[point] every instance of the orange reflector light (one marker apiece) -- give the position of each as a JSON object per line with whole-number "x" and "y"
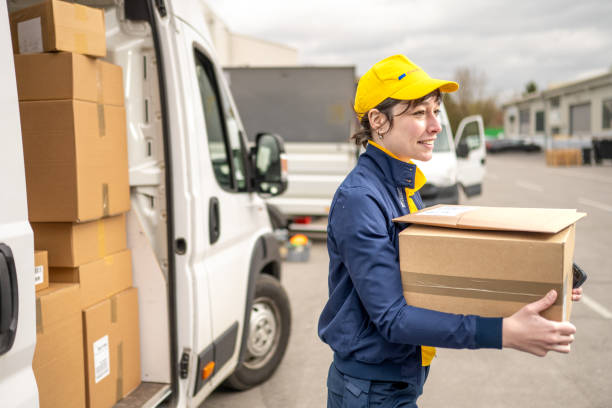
{"x": 208, "y": 370}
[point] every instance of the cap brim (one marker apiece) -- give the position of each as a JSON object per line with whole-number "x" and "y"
{"x": 422, "y": 88}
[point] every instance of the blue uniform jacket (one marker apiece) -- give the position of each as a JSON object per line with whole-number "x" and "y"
{"x": 374, "y": 334}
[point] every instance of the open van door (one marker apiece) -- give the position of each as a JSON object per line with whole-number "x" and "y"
{"x": 471, "y": 153}
{"x": 17, "y": 314}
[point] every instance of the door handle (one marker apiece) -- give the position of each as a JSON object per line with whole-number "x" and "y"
{"x": 214, "y": 224}
{"x": 9, "y": 299}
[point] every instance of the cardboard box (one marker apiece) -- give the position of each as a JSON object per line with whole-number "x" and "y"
{"x": 58, "y": 26}
{"x": 41, "y": 270}
{"x": 564, "y": 157}
{"x": 75, "y": 160}
{"x": 71, "y": 244}
{"x": 65, "y": 75}
{"x": 101, "y": 340}
{"x": 488, "y": 261}
{"x": 128, "y": 366}
{"x": 100, "y": 279}
{"x": 112, "y": 348}
{"x": 58, "y": 362}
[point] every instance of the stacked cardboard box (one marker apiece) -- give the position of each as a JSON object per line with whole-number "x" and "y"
{"x": 564, "y": 157}
{"x": 75, "y": 150}
{"x": 58, "y": 361}
{"x": 41, "y": 270}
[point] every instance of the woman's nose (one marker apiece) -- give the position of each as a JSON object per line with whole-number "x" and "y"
{"x": 433, "y": 124}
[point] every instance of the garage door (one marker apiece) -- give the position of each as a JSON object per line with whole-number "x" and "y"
{"x": 580, "y": 119}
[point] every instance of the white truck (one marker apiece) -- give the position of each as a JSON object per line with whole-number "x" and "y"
{"x": 205, "y": 262}
{"x": 311, "y": 107}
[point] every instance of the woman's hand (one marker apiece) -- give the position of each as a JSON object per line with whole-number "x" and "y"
{"x": 576, "y": 294}
{"x": 527, "y": 331}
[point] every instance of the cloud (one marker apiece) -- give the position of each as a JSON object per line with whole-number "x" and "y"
{"x": 512, "y": 42}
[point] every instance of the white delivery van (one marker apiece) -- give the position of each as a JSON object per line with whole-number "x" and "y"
{"x": 205, "y": 263}
{"x": 457, "y": 162}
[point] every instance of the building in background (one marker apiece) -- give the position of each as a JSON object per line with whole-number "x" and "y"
{"x": 236, "y": 50}
{"x": 580, "y": 110}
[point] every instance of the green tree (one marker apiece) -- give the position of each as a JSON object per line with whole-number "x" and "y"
{"x": 531, "y": 87}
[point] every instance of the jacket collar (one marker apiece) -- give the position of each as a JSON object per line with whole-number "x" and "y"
{"x": 404, "y": 174}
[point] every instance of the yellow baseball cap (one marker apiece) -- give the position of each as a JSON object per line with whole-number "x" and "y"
{"x": 395, "y": 77}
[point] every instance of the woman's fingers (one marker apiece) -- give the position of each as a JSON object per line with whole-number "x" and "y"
{"x": 576, "y": 294}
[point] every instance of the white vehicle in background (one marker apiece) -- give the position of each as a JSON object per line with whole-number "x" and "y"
{"x": 205, "y": 261}
{"x": 312, "y": 108}
{"x": 457, "y": 162}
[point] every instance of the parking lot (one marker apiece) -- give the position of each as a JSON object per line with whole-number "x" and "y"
{"x": 481, "y": 378}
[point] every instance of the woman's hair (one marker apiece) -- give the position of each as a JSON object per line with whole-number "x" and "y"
{"x": 364, "y": 134}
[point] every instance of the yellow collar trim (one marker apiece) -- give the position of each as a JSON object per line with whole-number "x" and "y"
{"x": 419, "y": 177}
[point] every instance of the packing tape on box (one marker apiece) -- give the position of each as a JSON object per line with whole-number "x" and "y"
{"x": 119, "y": 370}
{"x": 113, "y": 304}
{"x": 478, "y": 288}
{"x": 80, "y": 12}
{"x": 101, "y": 121}
{"x": 39, "y": 323}
{"x": 105, "y": 205}
{"x": 99, "y": 80}
{"x": 109, "y": 260}
{"x": 101, "y": 239}
{"x": 80, "y": 43}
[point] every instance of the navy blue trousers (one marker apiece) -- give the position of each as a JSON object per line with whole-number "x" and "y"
{"x": 344, "y": 391}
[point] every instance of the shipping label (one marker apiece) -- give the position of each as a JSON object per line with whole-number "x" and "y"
{"x": 101, "y": 358}
{"x": 39, "y": 274}
{"x": 29, "y": 36}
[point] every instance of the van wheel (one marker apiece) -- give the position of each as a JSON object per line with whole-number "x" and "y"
{"x": 269, "y": 328}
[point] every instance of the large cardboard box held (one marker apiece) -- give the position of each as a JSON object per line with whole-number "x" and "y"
{"x": 488, "y": 261}
{"x": 75, "y": 156}
{"x": 41, "y": 270}
{"x": 54, "y": 25}
{"x": 112, "y": 349}
{"x": 58, "y": 362}
{"x": 74, "y": 244}
{"x": 99, "y": 279}
{"x": 74, "y": 76}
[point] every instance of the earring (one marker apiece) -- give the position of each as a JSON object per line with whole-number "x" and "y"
{"x": 380, "y": 136}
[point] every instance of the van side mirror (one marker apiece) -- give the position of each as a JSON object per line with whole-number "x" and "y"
{"x": 269, "y": 165}
{"x": 463, "y": 150}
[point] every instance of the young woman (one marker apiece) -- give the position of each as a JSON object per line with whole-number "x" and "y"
{"x": 383, "y": 347}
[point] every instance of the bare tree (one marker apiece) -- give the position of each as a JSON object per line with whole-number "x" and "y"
{"x": 471, "y": 99}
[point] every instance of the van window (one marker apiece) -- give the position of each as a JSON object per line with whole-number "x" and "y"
{"x": 224, "y": 138}
{"x": 471, "y": 135}
{"x": 442, "y": 141}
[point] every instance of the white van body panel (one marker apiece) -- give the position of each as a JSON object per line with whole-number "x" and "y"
{"x": 17, "y": 382}
{"x": 471, "y": 170}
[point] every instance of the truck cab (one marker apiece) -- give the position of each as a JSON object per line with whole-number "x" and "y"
{"x": 205, "y": 263}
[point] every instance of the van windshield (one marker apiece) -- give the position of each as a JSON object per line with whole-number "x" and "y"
{"x": 442, "y": 141}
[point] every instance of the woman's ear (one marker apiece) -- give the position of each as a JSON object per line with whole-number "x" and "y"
{"x": 377, "y": 119}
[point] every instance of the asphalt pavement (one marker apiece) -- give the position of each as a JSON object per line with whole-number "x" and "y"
{"x": 478, "y": 378}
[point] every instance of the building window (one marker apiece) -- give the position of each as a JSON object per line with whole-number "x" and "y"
{"x": 607, "y": 114}
{"x": 524, "y": 121}
{"x": 540, "y": 121}
{"x": 554, "y": 102}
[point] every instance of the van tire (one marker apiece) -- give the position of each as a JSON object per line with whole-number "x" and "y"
{"x": 269, "y": 329}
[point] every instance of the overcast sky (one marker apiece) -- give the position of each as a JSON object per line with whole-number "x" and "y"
{"x": 511, "y": 42}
